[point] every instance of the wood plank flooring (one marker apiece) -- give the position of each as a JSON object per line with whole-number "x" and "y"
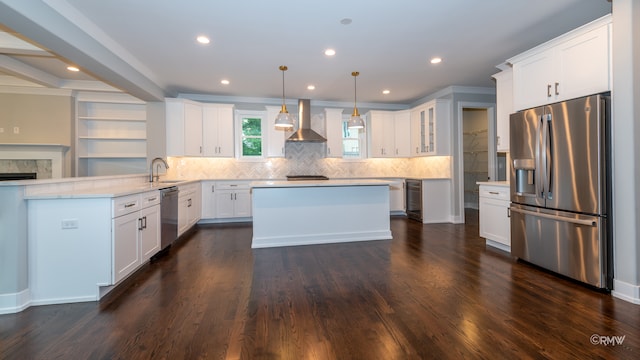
{"x": 433, "y": 292}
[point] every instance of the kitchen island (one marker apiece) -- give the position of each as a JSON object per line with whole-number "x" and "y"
{"x": 309, "y": 212}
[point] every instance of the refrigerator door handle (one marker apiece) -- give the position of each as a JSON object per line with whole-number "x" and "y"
{"x": 547, "y": 157}
{"x": 539, "y": 165}
{"x": 555, "y": 217}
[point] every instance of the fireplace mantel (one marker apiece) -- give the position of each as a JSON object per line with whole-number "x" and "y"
{"x": 54, "y": 152}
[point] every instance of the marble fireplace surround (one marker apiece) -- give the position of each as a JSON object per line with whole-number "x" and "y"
{"x": 53, "y": 152}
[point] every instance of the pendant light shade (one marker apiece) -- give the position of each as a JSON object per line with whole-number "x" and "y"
{"x": 284, "y": 120}
{"x": 356, "y": 121}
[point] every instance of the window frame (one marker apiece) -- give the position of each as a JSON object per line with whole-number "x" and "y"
{"x": 253, "y": 114}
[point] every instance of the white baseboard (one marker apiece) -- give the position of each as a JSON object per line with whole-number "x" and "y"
{"x": 15, "y": 302}
{"x": 626, "y": 292}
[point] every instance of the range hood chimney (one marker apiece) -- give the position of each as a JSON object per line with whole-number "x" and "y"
{"x": 304, "y": 133}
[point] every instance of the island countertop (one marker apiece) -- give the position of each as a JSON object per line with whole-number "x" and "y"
{"x": 318, "y": 183}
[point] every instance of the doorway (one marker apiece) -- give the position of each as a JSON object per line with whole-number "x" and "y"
{"x": 475, "y": 150}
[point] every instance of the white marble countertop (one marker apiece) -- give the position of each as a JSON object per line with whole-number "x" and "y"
{"x": 494, "y": 183}
{"x": 108, "y": 191}
{"x": 318, "y": 183}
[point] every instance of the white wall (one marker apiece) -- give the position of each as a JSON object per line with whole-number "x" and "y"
{"x": 626, "y": 148}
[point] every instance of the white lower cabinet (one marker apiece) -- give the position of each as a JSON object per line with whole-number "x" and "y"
{"x": 135, "y": 231}
{"x": 495, "y": 224}
{"x": 232, "y": 199}
{"x": 189, "y": 206}
{"x": 397, "y": 196}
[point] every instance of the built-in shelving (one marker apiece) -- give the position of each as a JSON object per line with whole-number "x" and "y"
{"x": 111, "y": 133}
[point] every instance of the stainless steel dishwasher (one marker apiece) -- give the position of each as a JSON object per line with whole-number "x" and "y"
{"x": 168, "y": 215}
{"x": 414, "y": 199}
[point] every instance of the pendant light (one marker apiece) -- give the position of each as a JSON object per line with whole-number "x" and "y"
{"x": 356, "y": 121}
{"x": 284, "y": 120}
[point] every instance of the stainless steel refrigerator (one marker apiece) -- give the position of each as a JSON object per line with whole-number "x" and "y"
{"x": 560, "y": 189}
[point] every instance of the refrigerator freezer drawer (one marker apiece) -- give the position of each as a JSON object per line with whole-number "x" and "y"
{"x": 570, "y": 244}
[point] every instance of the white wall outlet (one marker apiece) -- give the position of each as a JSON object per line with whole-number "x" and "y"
{"x": 1, "y": 130}
{"x": 16, "y": 130}
{"x": 70, "y": 223}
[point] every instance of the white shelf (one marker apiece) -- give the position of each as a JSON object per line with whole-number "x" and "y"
{"x": 111, "y": 135}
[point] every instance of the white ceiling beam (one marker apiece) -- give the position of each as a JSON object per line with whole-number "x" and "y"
{"x": 10, "y": 44}
{"x": 19, "y": 69}
{"x": 38, "y": 21}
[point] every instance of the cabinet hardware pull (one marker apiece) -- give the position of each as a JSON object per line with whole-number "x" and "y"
{"x": 548, "y": 90}
{"x": 213, "y": 188}
{"x": 557, "y": 92}
{"x": 139, "y": 224}
{"x": 129, "y": 205}
{"x": 494, "y": 193}
{"x": 189, "y": 202}
{"x": 153, "y": 199}
{"x": 144, "y": 222}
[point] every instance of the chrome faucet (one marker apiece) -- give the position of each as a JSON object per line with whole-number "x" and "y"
{"x": 157, "y": 176}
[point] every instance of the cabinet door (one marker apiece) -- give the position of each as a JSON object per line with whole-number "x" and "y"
{"x": 209, "y": 130}
{"x": 150, "y": 233}
{"x": 532, "y": 79}
{"x": 418, "y": 147}
{"x": 242, "y": 203}
{"x": 583, "y": 65}
{"x": 382, "y": 142}
{"x": 224, "y": 204}
{"x": 494, "y": 222}
{"x": 225, "y": 132}
{"x": 397, "y": 196}
{"x": 195, "y": 208}
{"x": 126, "y": 253}
{"x": 208, "y": 200}
{"x": 402, "y": 133}
{"x": 333, "y": 124}
{"x": 504, "y": 103}
{"x": 192, "y": 129}
{"x": 275, "y": 137}
{"x": 183, "y": 213}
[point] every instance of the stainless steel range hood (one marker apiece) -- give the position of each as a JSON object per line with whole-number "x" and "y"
{"x": 304, "y": 133}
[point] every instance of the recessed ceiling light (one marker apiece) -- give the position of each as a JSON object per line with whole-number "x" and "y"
{"x": 224, "y": 82}
{"x": 436, "y": 60}
{"x": 311, "y": 87}
{"x": 386, "y": 91}
{"x": 203, "y": 39}
{"x": 73, "y": 68}
{"x": 329, "y": 52}
{"x": 345, "y": 21}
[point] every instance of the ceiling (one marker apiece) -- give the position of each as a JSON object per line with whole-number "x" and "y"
{"x": 147, "y": 47}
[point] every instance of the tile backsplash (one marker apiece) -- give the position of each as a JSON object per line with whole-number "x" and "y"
{"x": 307, "y": 159}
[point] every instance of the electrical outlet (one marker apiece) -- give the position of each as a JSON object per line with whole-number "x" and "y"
{"x": 16, "y": 130}
{"x": 1, "y": 130}
{"x": 69, "y": 223}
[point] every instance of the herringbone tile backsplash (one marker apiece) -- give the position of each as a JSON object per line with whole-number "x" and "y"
{"x": 308, "y": 159}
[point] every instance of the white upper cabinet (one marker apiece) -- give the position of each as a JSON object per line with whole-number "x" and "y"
{"x": 575, "y": 64}
{"x": 196, "y": 129}
{"x": 389, "y": 133}
{"x": 217, "y": 130}
{"x": 275, "y": 137}
{"x": 504, "y": 103}
{"x": 333, "y": 124}
{"x": 402, "y": 133}
{"x": 430, "y": 128}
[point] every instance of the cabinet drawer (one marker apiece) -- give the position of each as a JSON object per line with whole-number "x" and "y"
{"x": 232, "y": 185}
{"x": 126, "y": 204}
{"x": 494, "y": 192}
{"x": 149, "y": 198}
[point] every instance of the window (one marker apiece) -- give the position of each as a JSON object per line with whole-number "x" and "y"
{"x": 251, "y": 137}
{"x": 352, "y": 141}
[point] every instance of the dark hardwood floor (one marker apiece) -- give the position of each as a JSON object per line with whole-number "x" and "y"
{"x": 433, "y": 292}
